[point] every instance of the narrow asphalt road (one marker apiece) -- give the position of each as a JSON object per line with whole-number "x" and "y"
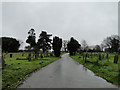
{"x": 65, "y": 73}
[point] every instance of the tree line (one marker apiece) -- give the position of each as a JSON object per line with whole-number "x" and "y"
{"x": 110, "y": 44}
{"x": 44, "y": 43}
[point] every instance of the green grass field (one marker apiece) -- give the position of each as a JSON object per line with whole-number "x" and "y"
{"x": 18, "y": 70}
{"x": 106, "y": 69}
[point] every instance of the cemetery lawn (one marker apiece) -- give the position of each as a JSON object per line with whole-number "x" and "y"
{"x": 106, "y": 69}
{"x": 18, "y": 70}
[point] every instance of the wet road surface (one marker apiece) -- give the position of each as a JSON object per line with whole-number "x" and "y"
{"x": 65, "y": 73}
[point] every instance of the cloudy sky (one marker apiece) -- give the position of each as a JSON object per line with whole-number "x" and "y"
{"x": 91, "y": 21}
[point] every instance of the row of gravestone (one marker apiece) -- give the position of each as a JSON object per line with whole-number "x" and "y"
{"x": 47, "y": 55}
{"x": 37, "y": 55}
{"x": 99, "y": 55}
{"x": 29, "y": 58}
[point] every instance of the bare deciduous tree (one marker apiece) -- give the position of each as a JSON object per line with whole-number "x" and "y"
{"x": 102, "y": 46}
{"x": 84, "y": 45}
{"x": 64, "y": 45}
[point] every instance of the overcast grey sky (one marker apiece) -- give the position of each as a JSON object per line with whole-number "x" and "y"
{"x": 91, "y": 21}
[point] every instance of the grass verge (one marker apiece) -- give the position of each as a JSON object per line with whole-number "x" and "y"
{"x": 106, "y": 69}
{"x": 18, "y": 70}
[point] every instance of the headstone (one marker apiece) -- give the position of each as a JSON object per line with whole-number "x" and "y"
{"x": 116, "y": 59}
{"x": 10, "y": 55}
{"x": 36, "y": 55}
{"x": 41, "y": 56}
{"x": 102, "y": 56}
{"x": 88, "y": 55}
{"x": 107, "y": 56}
{"x": 23, "y": 54}
{"x": 91, "y": 55}
{"x": 99, "y": 56}
{"x": 96, "y": 62}
{"x": 29, "y": 57}
{"x": 79, "y": 57}
{"x": 40, "y": 63}
{"x": 47, "y": 55}
{"x": 96, "y": 53}
{"x": 51, "y": 54}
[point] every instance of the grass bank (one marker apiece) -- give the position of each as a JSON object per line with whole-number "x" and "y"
{"x": 105, "y": 69}
{"x": 18, "y": 70}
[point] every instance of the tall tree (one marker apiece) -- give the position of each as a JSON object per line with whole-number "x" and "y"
{"x": 112, "y": 43}
{"x": 31, "y": 41}
{"x": 31, "y": 38}
{"x": 115, "y": 45}
{"x": 10, "y": 44}
{"x": 97, "y": 48}
{"x": 44, "y": 41}
{"x": 73, "y": 46}
{"x": 57, "y": 44}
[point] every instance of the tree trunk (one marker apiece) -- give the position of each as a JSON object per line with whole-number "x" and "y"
{"x": 3, "y": 61}
{"x": 116, "y": 59}
{"x": 107, "y": 56}
{"x": 86, "y": 58}
{"x": 29, "y": 56}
